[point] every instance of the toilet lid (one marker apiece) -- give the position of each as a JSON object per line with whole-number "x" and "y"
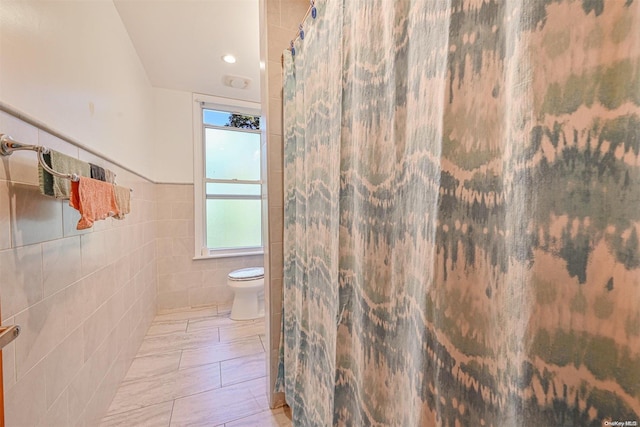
{"x": 250, "y": 273}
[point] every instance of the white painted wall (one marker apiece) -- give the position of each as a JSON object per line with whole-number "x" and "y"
{"x": 72, "y": 66}
{"x": 173, "y": 136}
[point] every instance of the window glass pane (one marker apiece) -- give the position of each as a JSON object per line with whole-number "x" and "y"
{"x": 232, "y": 154}
{"x": 216, "y": 188}
{"x": 234, "y": 223}
{"x": 225, "y": 118}
{"x": 216, "y": 118}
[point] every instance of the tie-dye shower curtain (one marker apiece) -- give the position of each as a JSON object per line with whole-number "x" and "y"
{"x": 462, "y": 211}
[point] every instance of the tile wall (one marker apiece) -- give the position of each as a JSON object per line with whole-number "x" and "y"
{"x": 84, "y": 300}
{"x": 282, "y": 19}
{"x": 182, "y": 281}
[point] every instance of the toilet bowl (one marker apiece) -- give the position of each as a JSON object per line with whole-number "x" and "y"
{"x": 248, "y": 286}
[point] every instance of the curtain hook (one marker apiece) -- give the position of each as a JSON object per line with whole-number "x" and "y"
{"x": 293, "y": 49}
{"x": 301, "y": 32}
{"x": 314, "y": 11}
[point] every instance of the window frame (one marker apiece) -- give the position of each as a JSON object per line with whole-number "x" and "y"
{"x": 201, "y": 103}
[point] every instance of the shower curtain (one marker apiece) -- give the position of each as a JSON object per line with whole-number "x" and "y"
{"x": 462, "y": 210}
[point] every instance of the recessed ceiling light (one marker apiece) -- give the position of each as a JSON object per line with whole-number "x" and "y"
{"x": 229, "y": 59}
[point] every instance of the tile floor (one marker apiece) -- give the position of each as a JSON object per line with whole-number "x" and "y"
{"x": 197, "y": 368}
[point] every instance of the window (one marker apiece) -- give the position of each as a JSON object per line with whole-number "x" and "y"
{"x": 230, "y": 187}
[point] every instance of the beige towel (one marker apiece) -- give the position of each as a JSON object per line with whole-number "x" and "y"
{"x": 109, "y": 176}
{"x": 65, "y": 164}
{"x": 123, "y": 200}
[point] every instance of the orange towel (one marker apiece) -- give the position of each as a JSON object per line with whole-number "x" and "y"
{"x": 95, "y": 200}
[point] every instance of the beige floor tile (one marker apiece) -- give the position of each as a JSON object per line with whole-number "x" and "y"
{"x": 155, "y": 364}
{"x": 217, "y": 321}
{"x": 150, "y": 416}
{"x": 224, "y": 309}
{"x": 220, "y": 351}
{"x": 160, "y": 328}
{"x": 162, "y": 388}
{"x": 263, "y": 340}
{"x": 178, "y": 341}
{"x": 221, "y": 405}
{"x": 243, "y": 369}
{"x": 196, "y": 313}
{"x": 271, "y": 418}
{"x": 179, "y": 370}
{"x": 244, "y": 330}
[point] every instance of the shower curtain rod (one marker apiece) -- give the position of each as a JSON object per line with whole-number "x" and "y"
{"x": 300, "y": 32}
{"x": 8, "y": 145}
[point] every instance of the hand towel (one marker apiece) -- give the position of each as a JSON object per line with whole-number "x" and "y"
{"x": 97, "y": 172}
{"x": 109, "y": 176}
{"x": 59, "y": 187}
{"x": 46, "y": 179}
{"x": 95, "y": 200}
{"x": 66, "y": 164}
{"x": 123, "y": 200}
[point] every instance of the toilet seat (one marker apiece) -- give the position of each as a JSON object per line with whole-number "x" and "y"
{"x": 245, "y": 274}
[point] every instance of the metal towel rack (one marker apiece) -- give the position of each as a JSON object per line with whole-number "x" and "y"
{"x": 8, "y": 145}
{"x": 8, "y": 334}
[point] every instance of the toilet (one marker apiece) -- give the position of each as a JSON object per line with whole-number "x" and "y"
{"x": 248, "y": 286}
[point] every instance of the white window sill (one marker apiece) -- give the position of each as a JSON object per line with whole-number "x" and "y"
{"x": 228, "y": 255}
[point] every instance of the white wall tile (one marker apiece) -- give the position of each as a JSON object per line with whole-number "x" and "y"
{"x": 277, "y": 265}
{"x": 275, "y": 295}
{"x": 62, "y": 364}
{"x": 99, "y": 403}
{"x": 182, "y": 210}
{"x": 86, "y": 280}
{"x": 275, "y": 116}
{"x": 274, "y": 333}
{"x": 25, "y": 402}
{"x": 42, "y": 327}
{"x": 79, "y": 302}
{"x": 164, "y": 247}
{"x": 94, "y": 250}
{"x": 122, "y": 271}
{"x": 5, "y": 216}
{"x": 61, "y": 264}
{"x": 58, "y": 413}
{"x": 276, "y": 224}
{"x": 35, "y": 218}
{"x": 172, "y": 228}
{"x": 86, "y": 382}
{"x": 21, "y": 284}
{"x": 99, "y": 325}
{"x": 205, "y": 297}
{"x": 172, "y": 300}
{"x": 292, "y": 12}
{"x": 183, "y": 245}
{"x": 173, "y": 264}
{"x": 21, "y": 166}
{"x": 100, "y": 286}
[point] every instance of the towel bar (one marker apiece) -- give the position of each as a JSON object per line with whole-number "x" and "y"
{"x": 8, "y": 145}
{"x": 8, "y": 334}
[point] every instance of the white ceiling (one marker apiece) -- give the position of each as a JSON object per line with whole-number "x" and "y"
{"x": 181, "y": 42}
